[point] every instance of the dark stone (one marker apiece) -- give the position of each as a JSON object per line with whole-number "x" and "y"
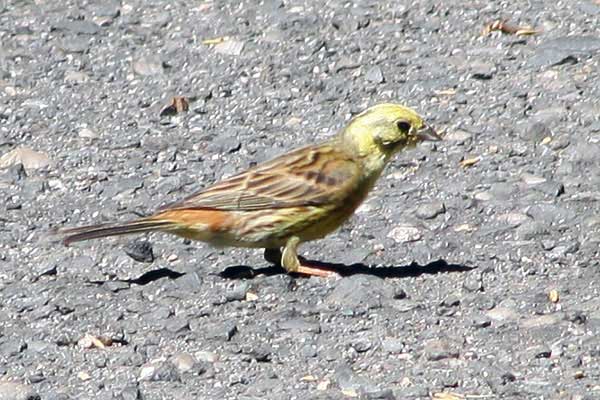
{"x": 436, "y": 350}
{"x": 74, "y": 44}
{"x": 482, "y": 70}
{"x": 540, "y": 351}
{"x": 130, "y": 393}
{"x": 386, "y": 394}
{"x": 393, "y": 345}
{"x": 576, "y": 316}
{"x": 223, "y": 332}
{"x": 473, "y": 282}
{"x": 14, "y": 173}
{"x": 361, "y": 345}
{"x": 300, "y": 325}
{"x": 537, "y": 131}
{"x": 481, "y": 321}
{"x": 237, "y": 292}
{"x": 347, "y": 380}
{"x": 12, "y": 347}
{"x": 430, "y": 210}
{"x": 116, "y": 286}
{"x": 160, "y": 372}
{"x": 140, "y": 250}
{"x": 261, "y": 353}
{"x": 565, "y": 49}
{"x": 177, "y": 324}
{"x": 77, "y": 26}
{"x": 361, "y": 291}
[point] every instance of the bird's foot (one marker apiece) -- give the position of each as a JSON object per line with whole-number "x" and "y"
{"x": 322, "y": 272}
{"x": 291, "y": 263}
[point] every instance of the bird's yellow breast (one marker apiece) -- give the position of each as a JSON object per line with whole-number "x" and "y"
{"x": 334, "y": 217}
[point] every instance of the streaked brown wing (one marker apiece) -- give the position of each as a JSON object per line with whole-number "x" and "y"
{"x": 310, "y": 176}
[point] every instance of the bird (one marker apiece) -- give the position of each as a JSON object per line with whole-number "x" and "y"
{"x": 300, "y": 196}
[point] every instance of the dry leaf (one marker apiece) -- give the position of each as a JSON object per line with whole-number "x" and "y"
{"x": 24, "y": 155}
{"x": 445, "y": 92}
{"x": 177, "y": 105}
{"x": 527, "y": 32}
{"x": 458, "y": 396}
{"x": 216, "y": 40}
{"x": 323, "y": 385}
{"x": 464, "y": 228}
{"x": 469, "y": 162}
{"x": 84, "y": 376}
{"x": 229, "y": 47}
{"x": 225, "y": 45}
{"x": 251, "y": 296}
{"x": 447, "y": 396}
{"x": 204, "y": 7}
{"x": 502, "y": 26}
{"x": 553, "y": 296}
{"x": 88, "y": 341}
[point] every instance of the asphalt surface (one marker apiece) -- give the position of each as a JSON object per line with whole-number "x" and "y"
{"x": 472, "y": 269}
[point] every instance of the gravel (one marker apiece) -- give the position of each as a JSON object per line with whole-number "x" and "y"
{"x": 447, "y": 269}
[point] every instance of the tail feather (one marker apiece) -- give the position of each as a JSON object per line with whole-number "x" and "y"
{"x": 72, "y": 235}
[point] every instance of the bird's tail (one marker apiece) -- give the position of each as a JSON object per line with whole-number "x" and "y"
{"x": 71, "y": 235}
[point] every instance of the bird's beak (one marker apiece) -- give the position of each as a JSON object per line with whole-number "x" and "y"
{"x": 429, "y": 134}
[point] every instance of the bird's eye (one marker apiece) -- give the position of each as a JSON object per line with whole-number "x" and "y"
{"x": 403, "y": 125}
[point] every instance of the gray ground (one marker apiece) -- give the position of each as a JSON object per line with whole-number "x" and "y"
{"x": 479, "y": 281}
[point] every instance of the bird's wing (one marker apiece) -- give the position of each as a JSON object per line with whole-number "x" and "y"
{"x": 310, "y": 176}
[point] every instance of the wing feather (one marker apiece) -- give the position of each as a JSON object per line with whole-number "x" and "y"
{"x": 310, "y": 176}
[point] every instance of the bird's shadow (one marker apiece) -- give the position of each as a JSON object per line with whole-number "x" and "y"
{"x": 247, "y": 272}
{"x": 411, "y": 270}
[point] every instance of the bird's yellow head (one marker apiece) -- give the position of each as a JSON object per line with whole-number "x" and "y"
{"x": 382, "y": 130}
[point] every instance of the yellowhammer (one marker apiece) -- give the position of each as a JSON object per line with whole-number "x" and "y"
{"x": 299, "y": 196}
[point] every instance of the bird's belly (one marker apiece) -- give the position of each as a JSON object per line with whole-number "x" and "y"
{"x": 328, "y": 223}
{"x": 272, "y": 229}
{"x": 253, "y": 229}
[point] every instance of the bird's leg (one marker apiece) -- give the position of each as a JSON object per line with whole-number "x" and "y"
{"x": 291, "y": 263}
{"x": 273, "y": 256}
